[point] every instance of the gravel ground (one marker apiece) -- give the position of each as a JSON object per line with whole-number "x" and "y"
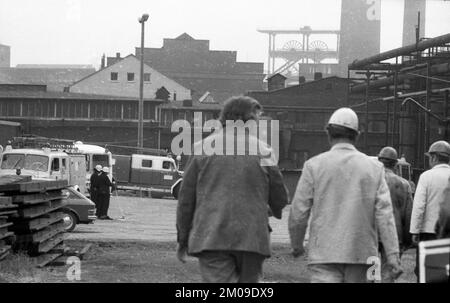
{"x": 139, "y": 246}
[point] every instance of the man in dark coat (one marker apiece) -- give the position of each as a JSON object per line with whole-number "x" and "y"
{"x": 104, "y": 193}
{"x": 94, "y": 187}
{"x": 401, "y": 197}
{"x": 222, "y": 214}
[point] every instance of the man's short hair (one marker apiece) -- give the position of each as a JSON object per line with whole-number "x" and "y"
{"x": 388, "y": 163}
{"x": 442, "y": 158}
{"x": 340, "y": 132}
{"x": 239, "y": 108}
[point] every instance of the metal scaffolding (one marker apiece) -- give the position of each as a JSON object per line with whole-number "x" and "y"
{"x": 408, "y": 89}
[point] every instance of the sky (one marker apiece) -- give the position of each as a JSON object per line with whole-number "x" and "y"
{"x": 80, "y": 31}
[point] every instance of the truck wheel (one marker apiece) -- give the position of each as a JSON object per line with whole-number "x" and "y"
{"x": 156, "y": 195}
{"x": 70, "y": 220}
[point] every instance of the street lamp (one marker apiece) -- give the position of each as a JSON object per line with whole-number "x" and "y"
{"x": 141, "y": 88}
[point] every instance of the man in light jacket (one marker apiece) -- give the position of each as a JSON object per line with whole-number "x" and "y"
{"x": 225, "y": 200}
{"x": 346, "y": 194}
{"x": 430, "y": 193}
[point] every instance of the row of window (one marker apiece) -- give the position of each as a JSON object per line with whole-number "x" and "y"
{"x": 130, "y": 77}
{"x": 76, "y": 109}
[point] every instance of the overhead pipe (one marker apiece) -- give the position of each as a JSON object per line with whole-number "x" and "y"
{"x": 435, "y": 70}
{"x": 401, "y": 51}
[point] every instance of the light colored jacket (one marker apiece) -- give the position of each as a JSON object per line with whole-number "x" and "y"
{"x": 429, "y": 194}
{"x": 351, "y": 207}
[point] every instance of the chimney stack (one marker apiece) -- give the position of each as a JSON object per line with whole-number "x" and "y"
{"x": 317, "y": 76}
{"x": 118, "y": 55}
{"x": 102, "y": 65}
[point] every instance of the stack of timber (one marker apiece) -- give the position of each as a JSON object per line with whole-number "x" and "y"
{"x": 7, "y": 211}
{"x": 38, "y": 222}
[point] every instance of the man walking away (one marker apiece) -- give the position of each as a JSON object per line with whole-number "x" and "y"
{"x": 94, "y": 187}
{"x": 429, "y": 195}
{"x": 222, "y": 214}
{"x": 347, "y": 196}
{"x": 401, "y": 197}
{"x": 104, "y": 193}
{"x": 443, "y": 224}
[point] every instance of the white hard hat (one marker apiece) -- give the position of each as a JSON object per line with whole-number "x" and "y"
{"x": 98, "y": 167}
{"x": 345, "y": 117}
{"x": 105, "y": 169}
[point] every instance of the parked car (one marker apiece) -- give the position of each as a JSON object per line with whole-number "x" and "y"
{"x": 78, "y": 210}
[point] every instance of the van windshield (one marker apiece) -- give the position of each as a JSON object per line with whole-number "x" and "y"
{"x": 30, "y": 162}
{"x": 101, "y": 159}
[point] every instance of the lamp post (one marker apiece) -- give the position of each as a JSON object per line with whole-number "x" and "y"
{"x": 141, "y": 88}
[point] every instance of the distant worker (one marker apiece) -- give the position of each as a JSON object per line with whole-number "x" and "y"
{"x": 345, "y": 193}
{"x": 401, "y": 197}
{"x": 429, "y": 194}
{"x": 104, "y": 193}
{"x": 94, "y": 187}
{"x": 443, "y": 224}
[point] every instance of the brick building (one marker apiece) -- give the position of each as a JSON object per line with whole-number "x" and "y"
{"x": 86, "y": 117}
{"x": 191, "y": 63}
{"x": 122, "y": 79}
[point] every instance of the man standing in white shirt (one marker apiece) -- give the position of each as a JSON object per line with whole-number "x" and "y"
{"x": 429, "y": 194}
{"x": 346, "y": 195}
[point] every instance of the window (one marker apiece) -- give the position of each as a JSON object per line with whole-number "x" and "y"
{"x": 174, "y": 96}
{"x": 167, "y": 165}
{"x": 146, "y": 77}
{"x": 55, "y": 164}
{"x": 147, "y": 163}
{"x": 64, "y": 163}
{"x": 130, "y": 77}
{"x": 114, "y": 76}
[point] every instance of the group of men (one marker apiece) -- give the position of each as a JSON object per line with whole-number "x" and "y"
{"x": 100, "y": 191}
{"x": 354, "y": 209}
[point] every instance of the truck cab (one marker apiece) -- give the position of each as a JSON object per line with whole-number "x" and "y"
{"x": 44, "y": 164}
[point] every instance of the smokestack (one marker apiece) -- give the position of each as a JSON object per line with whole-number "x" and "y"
{"x": 102, "y": 65}
{"x": 118, "y": 55}
{"x": 360, "y": 31}
{"x": 410, "y": 20}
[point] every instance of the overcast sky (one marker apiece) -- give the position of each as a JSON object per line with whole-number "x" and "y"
{"x": 80, "y": 31}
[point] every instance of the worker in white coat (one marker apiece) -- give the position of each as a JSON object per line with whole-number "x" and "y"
{"x": 346, "y": 194}
{"x": 430, "y": 193}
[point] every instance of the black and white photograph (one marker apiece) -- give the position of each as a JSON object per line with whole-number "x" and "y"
{"x": 202, "y": 144}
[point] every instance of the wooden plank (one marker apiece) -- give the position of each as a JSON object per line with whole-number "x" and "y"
{"x": 48, "y": 232}
{"x": 51, "y": 243}
{"x": 3, "y": 220}
{"x": 5, "y": 235}
{"x": 10, "y": 179}
{"x": 60, "y": 248}
{"x": 84, "y": 251}
{"x": 41, "y": 209}
{"x": 8, "y": 212}
{"x": 4, "y": 255}
{"x": 7, "y": 207}
{"x": 5, "y": 200}
{"x": 34, "y": 186}
{"x": 5, "y": 224}
{"x": 38, "y": 223}
{"x": 38, "y": 198}
{"x": 43, "y": 260}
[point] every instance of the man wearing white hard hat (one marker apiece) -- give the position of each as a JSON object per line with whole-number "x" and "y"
{"x": 94, "y": 187}
{"x": 430, "y": 192}
{"x": 104, "y": 193}
{"x": 345, "y": 193}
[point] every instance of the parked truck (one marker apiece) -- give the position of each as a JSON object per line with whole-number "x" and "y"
{"x": 153, "y": 174}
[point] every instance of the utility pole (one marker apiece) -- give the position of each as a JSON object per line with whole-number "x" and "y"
{"x": 141, "y": 88}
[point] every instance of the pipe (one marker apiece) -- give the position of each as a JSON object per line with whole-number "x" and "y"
{"x": 436, "y": 69}
{"x": 401, "y": 51}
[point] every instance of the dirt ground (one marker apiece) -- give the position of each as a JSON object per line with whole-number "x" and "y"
{"x": 139, "y": 246}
